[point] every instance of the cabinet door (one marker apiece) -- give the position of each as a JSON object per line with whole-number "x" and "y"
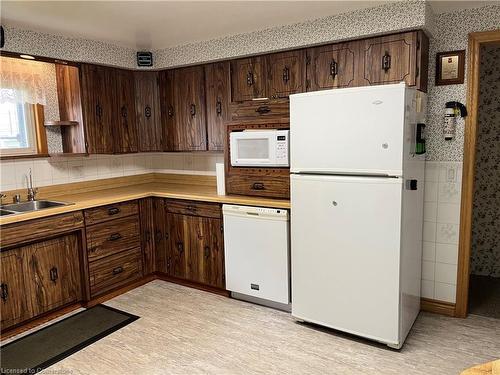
{"x": 126, "y": 129}
{"x": 98, "y": 91}
{"x": 207, "y": 251}
{"x": 248, "y": 78}
{"x": 146, "y": 211}
{"x": 14, "y": 306}
{"x": 167, "y": 104}
{"x": 218, "y": 92}
{"x": 54, "y": 273}
{"x": 332, "y": 66}
{"x": 160, "y": 234}
{"x": 178, "y": 232}
{"x": 147, "y": 107}
{"x": 287, "y": 74}
{"x": 389, "y": 59}
{"x": 190, "y": 130}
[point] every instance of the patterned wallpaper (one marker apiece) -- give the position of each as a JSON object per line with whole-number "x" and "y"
{"x": 451, "y": 33}
{"x": 486, "y": 212}
{"x": 393, "y": 17}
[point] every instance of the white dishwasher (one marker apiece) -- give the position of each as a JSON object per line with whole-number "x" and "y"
{"x": 256, "y": 248}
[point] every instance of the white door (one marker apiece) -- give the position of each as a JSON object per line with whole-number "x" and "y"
{"x": 345, "y": 250}
{"x": 348, "y": 131}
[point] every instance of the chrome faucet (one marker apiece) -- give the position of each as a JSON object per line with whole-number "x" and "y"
{"x": 31, "y": 190}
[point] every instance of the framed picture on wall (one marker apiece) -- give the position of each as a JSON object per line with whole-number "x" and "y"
{"x": 450, "y": 67}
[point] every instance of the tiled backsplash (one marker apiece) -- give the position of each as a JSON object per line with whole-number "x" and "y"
{"x": 50, "y": 171}
{"x": 441, "y": 225}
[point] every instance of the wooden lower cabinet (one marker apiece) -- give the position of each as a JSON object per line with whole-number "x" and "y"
{"x": 14, "y": 304}
{"x": 54, "y": 273}
{"x": 38, "y": 278}
{"x": 195, "y": 249}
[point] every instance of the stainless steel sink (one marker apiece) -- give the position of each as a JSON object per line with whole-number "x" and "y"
{"x": 30, "y": 206}
{"x": 4, "y": 213}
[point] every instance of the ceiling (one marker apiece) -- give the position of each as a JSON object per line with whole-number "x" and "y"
{"x": 159, "y": 24}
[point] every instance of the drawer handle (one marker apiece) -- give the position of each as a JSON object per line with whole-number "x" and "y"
{"x": 180, "y": 247}
{"x": 117, "y": 270}
{"x": 207, "y": 252}
{"x": 4, "y": 291}
{"x": 263, "y": 109}
{"x": 191, "y": 208}
{"x": 53, "y": 274}
{"x": 258, "y": 186}
{"x": 113, "y": 211}
{"x": 115, "y": 237}
{"x": 218, "y": 107}
{"x": 158, "y": 236}
{"x": 250, "y": 79}
{"x": 286, "y": 74}
{"x": 192, "y": 110}
{"x": 333, "y": 68}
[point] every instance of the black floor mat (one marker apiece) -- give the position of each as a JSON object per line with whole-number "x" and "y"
{"x": 41, "y": 349}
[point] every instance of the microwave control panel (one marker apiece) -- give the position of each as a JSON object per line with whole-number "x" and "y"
{"x": 282, "y": 148}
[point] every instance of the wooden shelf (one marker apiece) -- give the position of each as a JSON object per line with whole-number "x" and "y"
{"x": 60, "y": 123}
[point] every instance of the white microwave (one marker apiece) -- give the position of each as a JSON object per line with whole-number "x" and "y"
{"x": 260, "y": 148}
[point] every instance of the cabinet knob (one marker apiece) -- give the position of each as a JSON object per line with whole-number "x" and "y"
{"x": 250, "y": 79}
{"x": 263, "y": 109}
{"x": 386, "y": 61}
{"x": 147, "y": 111}
{"x": 192, "y": 110}
{"x": 53, "y": 274}
{"x": 180, "y": 247}
{"x": 207, "y": 252}
{"x": 286, "y": 74}
{"x": 258, "y": 186}
{"x": 124, "y": 111}
{"x": 333, "y": 68}
{"x": 4, "y": 291}
{"x": 117, "y": 270}
{"x": 158, "y": 236}
{"x": 218, "y": 107}
{"x": 170, "y": 111}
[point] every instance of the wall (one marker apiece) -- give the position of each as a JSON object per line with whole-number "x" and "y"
{"x": 51, "y": 171}
{"x": 485, "y": 257}
{"x": 444, "y": 165}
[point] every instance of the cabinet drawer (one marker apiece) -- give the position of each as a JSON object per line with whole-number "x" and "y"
{"x": 110, "y": 212}
{"x": 194, "y": 208}
{"x": 115, "y": 270}
{"x": 113, "y": 237}
{"x": 262, "y": 186}
{"x": 258, "y": 109}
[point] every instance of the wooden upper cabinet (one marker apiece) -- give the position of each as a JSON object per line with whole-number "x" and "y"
{"x": 218, "y": 93}
{"x": 190, "y": 127}
{"x": 391, "y": 59}
{"x": 167, "y": 105}
{"x": 126, "y": 127}
{"x": 14, "y": 306}
{"x": 332, "y": 66}
{"x": 98, "y": 93}
{"x": 286, "y": 73}
{"x": 248, "y": 78}
{"x": 147, "y": 107}
{"x": 54, "y": 273}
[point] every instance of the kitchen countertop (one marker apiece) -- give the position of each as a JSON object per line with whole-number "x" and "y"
{"x": 102, "y": 197}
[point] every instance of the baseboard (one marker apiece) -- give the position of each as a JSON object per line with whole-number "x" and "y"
{"x": 437, "y": 307}
{"x": 191, "y": 284}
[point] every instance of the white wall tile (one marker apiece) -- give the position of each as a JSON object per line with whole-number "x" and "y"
{"x": 104, "y": 167}
{"x": 432, "y": 171}
{"x": 431, "y": 191}
{"x": 429, "y": 231}
{"x": 430, "y": 211}
{"x": 449, "y": 192}
{"x": 429, "y": 251}
{"x": 60, "y": 172}
{"x": 188, "y": 162}
{"x": 76, "y": 170}
{"x": 448, "y": 213}
{"x": 445, "y": 273}
{"x": 446, "y": 253}
{"x": 427, "y": 289}
{"x": 445, "y": 292}
{"x": 428, "y": 270}
{"x": 42, "y": 173}
{"x": 116, "y": 166}
{"x": 450, "y": 172}
{"x": 8, "y": 176}
{"x": 447, "y": 233}
{"x": 90, "y": 168}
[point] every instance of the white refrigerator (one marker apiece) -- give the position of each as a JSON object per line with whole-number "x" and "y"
{"x": 357, "y": 210}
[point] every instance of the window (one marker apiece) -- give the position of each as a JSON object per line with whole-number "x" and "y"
{"x": 21, "y": 89}
{"x": 16, "y": 127}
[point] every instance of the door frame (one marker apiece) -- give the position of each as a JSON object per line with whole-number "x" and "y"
{"x": 476, "y": 40}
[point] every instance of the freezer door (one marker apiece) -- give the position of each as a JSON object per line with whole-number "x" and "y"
{"x": 345, "y": 253}
{"x": 348, "y": 131}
